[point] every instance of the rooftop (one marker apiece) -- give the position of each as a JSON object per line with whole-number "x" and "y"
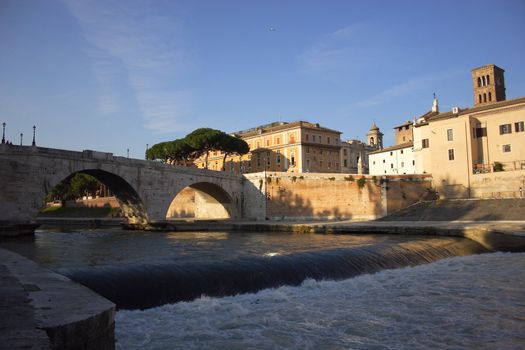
{"x": 278, "y": 126}
{"x": 394, "y": 148}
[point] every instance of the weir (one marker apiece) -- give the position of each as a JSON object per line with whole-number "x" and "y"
{"x": 145, "y": 286}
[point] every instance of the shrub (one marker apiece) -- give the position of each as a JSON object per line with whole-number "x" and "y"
{"x": 361, "y": 182}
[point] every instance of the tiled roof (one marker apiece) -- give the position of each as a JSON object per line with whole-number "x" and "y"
{"x": 283, "y": 126}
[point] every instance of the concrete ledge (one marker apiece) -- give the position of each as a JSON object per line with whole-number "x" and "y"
{"x": 73, "y": 316}
{"x": 10, "y": 228}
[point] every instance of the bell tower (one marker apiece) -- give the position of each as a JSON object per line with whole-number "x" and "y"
{"x": 489, "y": 84}
{"x": 375, "y": 137}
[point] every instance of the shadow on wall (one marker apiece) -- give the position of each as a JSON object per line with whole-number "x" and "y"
{"x": 200, "y": 201}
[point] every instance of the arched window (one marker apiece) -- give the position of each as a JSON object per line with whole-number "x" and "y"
{"x": 484, "y": 81}
{"x": 488, "y": 79}
{"x": 479, "y": 98}
{"x": 479, "y": 82}
{"x": 371, "y": 141}
{"x": 490, "y": 96}
{"x": 484, "y": 97}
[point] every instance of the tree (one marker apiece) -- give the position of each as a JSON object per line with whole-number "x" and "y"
{"x": 74, "y": 187}
{"x": 229, "y": 144}
{"x": 204, "y": 140}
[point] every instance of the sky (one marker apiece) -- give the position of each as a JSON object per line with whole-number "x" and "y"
{"x": 112, "y": 75}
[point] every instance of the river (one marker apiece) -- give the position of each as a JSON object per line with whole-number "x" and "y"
{"x": 218, "y": 290}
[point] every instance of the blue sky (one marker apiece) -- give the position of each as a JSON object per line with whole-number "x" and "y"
{"x": 112, "y": 75}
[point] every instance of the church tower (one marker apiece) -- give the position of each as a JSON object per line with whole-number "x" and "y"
{"x": 375, "y": 137}
{"x": 489, "y": 84}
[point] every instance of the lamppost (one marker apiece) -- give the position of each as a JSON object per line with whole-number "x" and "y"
{"x": 34, "y": 131}
{"x": 3, "y": 133}
{"x": 21, "y": 138}
{"x": 147, "y": 149}
{"x": 128, "y": 152}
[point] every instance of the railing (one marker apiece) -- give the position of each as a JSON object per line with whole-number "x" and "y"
{"x": 498, "y": 166}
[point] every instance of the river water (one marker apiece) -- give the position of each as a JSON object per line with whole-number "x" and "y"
{"x": 219, "y": 290}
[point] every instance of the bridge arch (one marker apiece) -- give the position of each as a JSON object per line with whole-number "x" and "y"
{"x": 129, "y": 200}
{"x": 201, "y": 200}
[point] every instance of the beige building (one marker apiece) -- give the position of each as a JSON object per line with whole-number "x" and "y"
{"x": 475, "y": 152}
{"x": 295, "y": 147}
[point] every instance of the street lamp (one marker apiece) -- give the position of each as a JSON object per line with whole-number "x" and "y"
{"x": 34, "y": 131}
{"x": 128, "y": 152}
{"x": 3, "y": 133}
{"x": 21, "y": 138}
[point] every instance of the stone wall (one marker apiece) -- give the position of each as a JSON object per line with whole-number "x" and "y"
{"x": 404, "y": 190}
{"x": 183, "y": 206}
{"x": 503, "y": 184}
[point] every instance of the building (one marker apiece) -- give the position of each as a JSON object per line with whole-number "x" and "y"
{"x": 478, "y": 151}
{"x": 394, "y": 160}
{"x": 285, "y": 147}
{"x": 354, "y": 156}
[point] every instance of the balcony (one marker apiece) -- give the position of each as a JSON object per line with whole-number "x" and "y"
{"x": 498, "y": 166}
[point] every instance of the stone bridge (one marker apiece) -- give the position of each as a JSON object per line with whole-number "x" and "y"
{"x": 144, "y": 189}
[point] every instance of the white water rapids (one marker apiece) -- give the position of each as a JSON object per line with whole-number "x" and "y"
{"x": 472, "y": 302}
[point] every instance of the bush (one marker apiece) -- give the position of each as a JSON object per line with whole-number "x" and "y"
{"x": 361, "y": 182}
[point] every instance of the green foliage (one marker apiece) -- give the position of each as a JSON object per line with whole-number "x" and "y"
{"x": 498, "y": 166}
{"x": 197, "y": 143}
{"x": 294, "y": 178}
{"x": 301, "y": 177}
{"x": 361, "y": 182}
{"x": 74, "y": 187}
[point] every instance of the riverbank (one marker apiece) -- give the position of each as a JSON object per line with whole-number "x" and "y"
{"x": 41, "y": 309}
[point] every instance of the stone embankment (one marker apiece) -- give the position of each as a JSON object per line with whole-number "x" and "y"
{"x": 41, "y": 309}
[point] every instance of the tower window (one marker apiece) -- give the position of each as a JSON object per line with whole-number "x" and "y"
{"x": 479, "y": 82}
{"x": 490, "y": 96}
{"x": 484, "y": 97}
{"x": 488, "y": 79}
{"x": 479, "y": 98}
{"x": 371, "y": 141}
{"x": 484, "y": 81}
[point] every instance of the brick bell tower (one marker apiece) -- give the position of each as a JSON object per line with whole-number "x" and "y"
{"x": 488, "y": 84}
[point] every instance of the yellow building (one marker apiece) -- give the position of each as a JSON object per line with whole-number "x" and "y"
{"x": 288, "y": 147}
{"x": 478, "y": 151}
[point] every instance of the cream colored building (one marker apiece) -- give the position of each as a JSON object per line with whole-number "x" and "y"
{"x": 288, "y": 147}
{"x": 479, "y": 151}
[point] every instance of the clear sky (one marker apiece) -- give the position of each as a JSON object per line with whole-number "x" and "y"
{"x": 112, "y": 75}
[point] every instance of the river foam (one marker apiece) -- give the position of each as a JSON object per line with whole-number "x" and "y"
{"x": 472, "y": 302}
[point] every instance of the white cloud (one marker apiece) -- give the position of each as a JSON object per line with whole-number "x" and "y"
{"x": 136, "y": 43}
{"x": 342, "y": 51}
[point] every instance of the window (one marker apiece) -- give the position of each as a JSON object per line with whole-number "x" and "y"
{"x": 518, "y": 127}
{"x": 313, "y": 138}
{"x": 344, "y": 162}
{"x": 344, "y": 152}
{"x": 372, "y": 141}
{"x": 391, "y": 153}
{"x": 268, "y": 160}
{"x": 329, "y": 164}
{"x": 402, "y": 164}
{"x": 479, "y": 82}
{"x": 488, "y": 80}
{"x": 505, "y": 129}
{"x": 383, "y": 161}
{"x": 450, "y": 135}
{"x": 490, "y": 96}
{"x": 292, "y": 160}
{"x": 413, "y": 162}
{"x": 374, "y": 162}
{"x": 401, "y": 151}
{"x": 481, "y": 132}
{"x": 278, "y": 141}
{"x": 450, "y": 154}
{"x": 320, "y": 164}
{"x": 328, "y": 140}
{"x": 278, "y": 160}
{"x": 307, "y": 149}
{"x": 506, "y": 148}
{"x": 479, "y": 96}
{"x": 484, "y": 81}
{"x": 391, "y": 166}
{"x": 426, "y": 143}
{"x": 307, "y": 164}
{"x": 484, "y": 97}
{"x": 307, "y": 137}
{"x": 403, "y": 138}
{"x": 258, "y": 160}
{"x": 267, "y": 143}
